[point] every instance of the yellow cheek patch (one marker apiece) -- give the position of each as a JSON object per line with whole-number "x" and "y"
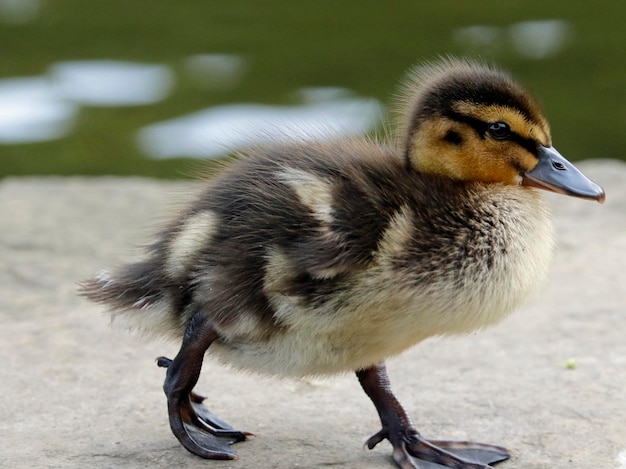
{"x": 473, "y": 159}
{"x": 525, "y": 160}
{"x": 539, "y": 131}
{"x": 484, "y": 161}
{"x": 431, "y": 154}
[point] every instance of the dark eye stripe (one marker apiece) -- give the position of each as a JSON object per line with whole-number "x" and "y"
{"x": 479, "y": 126}
{"x": 481, "y": 129}
{"x": 527, "y": 143}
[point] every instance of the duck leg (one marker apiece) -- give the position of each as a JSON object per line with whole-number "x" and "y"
{"x": 198, "y": 430}
{"x": 410, "y": 449}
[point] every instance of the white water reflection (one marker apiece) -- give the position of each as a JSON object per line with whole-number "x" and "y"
{"x": 540, "y": 39}
{"x": 18, "y": 11}
{"x": 215, "y": 71}
{"x": 36, "y": 109}
{"x": 31, "y": 110}
{"x": 112, "y": 83}
{"x": 322, "y": 94}
{"x": 45, "y": 108}
{"x": 478, "y": 37}
{"x": 221, "y": 130}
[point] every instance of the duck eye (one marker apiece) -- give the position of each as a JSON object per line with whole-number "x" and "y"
{"x": 499, "y": 130}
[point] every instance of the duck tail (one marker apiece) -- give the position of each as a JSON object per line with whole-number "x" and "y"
{"x": 135, "y": 298}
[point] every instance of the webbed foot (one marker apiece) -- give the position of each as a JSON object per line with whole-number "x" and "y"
{"x": 198, "y": 430}
{"x": 410, "y": 450}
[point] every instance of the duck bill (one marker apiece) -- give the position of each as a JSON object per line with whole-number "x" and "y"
{"x": 556, "y": 174}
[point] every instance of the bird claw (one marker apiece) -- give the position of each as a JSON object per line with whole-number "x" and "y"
{"x": 163, "y": 362}
{"x": 376, "y": 438}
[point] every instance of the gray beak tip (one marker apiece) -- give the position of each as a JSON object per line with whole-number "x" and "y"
{"x": 554, "y": 173}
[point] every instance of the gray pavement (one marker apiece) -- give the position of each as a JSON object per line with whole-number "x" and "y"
{"x": 549, "y": 382}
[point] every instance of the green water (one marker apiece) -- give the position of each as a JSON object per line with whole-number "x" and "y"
{"x": 362, "y": 45}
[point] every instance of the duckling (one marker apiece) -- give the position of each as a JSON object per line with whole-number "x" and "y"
{"x": 320, "y": 258}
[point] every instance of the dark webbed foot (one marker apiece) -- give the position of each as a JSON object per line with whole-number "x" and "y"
{"x": 197, "y": 429}
{"x": 410, "y": 450}
{"x": 413, "y": 451}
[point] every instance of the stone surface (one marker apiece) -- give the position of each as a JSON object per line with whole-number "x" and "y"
{"x": 549, "y": 382}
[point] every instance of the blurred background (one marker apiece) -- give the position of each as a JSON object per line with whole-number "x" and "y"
{"x": 148, "y": 88}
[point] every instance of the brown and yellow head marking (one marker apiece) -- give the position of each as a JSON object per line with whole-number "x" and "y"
{"x": 467, "y": 121}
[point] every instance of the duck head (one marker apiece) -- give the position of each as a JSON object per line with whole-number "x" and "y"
{"x": 467, "y": 121}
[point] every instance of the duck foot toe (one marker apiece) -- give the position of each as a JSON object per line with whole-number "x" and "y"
{"x": 481, "y": 453}
{"x": 411, "y": 451}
